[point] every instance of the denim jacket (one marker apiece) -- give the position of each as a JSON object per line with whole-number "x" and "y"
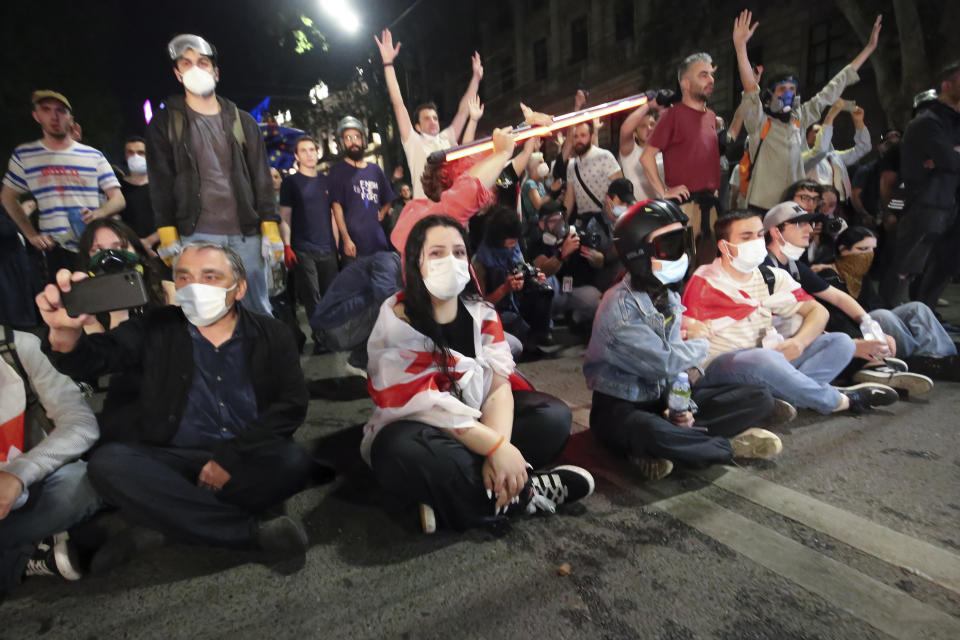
{"x": 635, "y": 353}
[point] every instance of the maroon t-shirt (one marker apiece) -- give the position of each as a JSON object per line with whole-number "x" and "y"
{"x": 691, "y": 153}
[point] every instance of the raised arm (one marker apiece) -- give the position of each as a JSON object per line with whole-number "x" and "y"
{"x": 742, "y": 32}
{"x": 463, "y": 109}
{"x": 857, "y": 62}
{"x": 488, "y": 170}
{"x": 388, "y": 53}
{"x": 629, "y": 126}
{"x": 476, "y": 112}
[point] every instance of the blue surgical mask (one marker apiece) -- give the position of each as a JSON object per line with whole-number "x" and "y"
{"x": 672, "y": 270}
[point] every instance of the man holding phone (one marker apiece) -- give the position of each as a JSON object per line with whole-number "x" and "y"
{"x": 221, "y": 395}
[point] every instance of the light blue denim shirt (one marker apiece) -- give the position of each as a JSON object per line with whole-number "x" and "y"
{"x": 635, "y": 353}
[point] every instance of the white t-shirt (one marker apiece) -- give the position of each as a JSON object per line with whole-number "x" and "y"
{"x": 596, "y": 167}
{"x": 418, "y": 147}
{"x": 633, "y": 171}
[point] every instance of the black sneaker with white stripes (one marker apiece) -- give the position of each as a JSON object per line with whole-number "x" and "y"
{"x": 55, "y": 556}
{"x": 868, "y": 395}
{"x": 560, "y": 485}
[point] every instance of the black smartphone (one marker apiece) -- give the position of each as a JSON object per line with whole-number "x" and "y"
{"x": 109, "y": 292}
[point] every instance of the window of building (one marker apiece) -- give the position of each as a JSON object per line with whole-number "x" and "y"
{"x": 623, "y": 20}
{"x": 578, "y": 39}
{"x": 827, "y": 52}
{"x": 540, "y": 61}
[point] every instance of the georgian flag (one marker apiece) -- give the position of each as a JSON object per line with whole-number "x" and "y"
{"x": 13, "y": 403}
{"x": 405, "y": 382}
{"x": 713, "y": 295}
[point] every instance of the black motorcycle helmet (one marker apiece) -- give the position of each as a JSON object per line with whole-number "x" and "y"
{"x": 635, "y": 251}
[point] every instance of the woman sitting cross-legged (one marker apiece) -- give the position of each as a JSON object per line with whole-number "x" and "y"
{"x": 448, "y": 431}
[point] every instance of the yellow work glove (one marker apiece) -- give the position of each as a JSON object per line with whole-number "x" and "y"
{"x": 169, "y": 244}
{"x": 271, "y": 246}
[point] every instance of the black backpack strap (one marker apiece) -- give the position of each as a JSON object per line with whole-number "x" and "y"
{"x": 768, "y": 277}
{"x": 576, "y": 169}
{"x": 8, "y": 350}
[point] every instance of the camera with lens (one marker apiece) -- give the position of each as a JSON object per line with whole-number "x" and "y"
{"x": 530, "y": 279}
{"x": 591, "y": 239}
{"x": 833, "y": 226}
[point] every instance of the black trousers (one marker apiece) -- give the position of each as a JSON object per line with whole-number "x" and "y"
{"x": 315, "y": 270}
{"x": 640, "y": 430}
{"x": 422, "y": 463}
{"x": 157, "y": 487}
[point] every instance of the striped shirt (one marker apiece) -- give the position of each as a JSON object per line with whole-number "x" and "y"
{"x": 61, "y": 181}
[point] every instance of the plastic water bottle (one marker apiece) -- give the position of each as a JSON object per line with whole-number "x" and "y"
{"x": 679, "y": 399}
{"x": 871, "y": 330}
{"x": 771, "y": 339}
{"x": 75, "y": 219}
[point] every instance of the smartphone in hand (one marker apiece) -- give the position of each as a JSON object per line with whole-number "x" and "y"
{"x": 109, "y": 292}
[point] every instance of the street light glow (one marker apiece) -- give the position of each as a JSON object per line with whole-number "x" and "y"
{"x": 344, "y": 15}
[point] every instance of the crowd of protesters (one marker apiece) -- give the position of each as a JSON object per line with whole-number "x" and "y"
{"x": 708, "y": 318}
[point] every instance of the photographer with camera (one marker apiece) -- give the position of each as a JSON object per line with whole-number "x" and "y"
{"x": 551, "y": 251}
{"x": 516, "y": 288}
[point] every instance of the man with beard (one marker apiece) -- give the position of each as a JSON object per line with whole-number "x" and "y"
{"x": 360, "y": 195}
{"x": 65, "y": 176}
{"x": 686, "y": 135}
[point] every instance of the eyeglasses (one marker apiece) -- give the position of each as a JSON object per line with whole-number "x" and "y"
{"x": 353, "y": 136}
{"x": 807, "y": 199}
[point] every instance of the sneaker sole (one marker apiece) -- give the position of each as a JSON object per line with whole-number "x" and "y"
{"x": 428, "y": 518}
{"x": 65, "y": 555}
{"x": 913, "y": 383}
{"x": 896, "y": 363}
{"x": 653, "y": 469}
{"x": 888, "y": 395}
{"x": 782, "y": 413}
{"x": 756, "y": 445}
{"x": 583, "y": 473}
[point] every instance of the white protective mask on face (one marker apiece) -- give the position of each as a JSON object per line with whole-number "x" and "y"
{"x": 749, "y": 255}
{"x": 543, "y": 170}
{"x": 446, "y": 277}
{"x": 203, "y": 304}
{"x": 199, "y": 82}
{"x": 137, "y": 164}
{"x": 672, "y": 270}
{"x": 792, "y": 251}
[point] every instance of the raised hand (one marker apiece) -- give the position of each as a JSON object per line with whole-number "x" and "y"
{"x": 476, "y": 63}
{"x": 875, "y": 33}
{"x": 742, "y": 31}
{"x": 64, "y": 330}
{"x": 476, "y": 108}
{"x": 534, "y": 118}
{"x": 503, "y": 141}
{"x": 385, "y": 43}
{"x": 580, "y": 100}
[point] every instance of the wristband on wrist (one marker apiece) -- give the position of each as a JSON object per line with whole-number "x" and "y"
{"x": 495, "y": 447}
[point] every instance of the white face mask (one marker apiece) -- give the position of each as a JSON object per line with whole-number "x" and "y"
{"x": 203, "y": 304}
{"x": 199, "y": 82}
{"x": 446, "y": 277}
{"x": 543, "y": 170}
{"x": 137, "y": 164}
{"x": 792, "y": 251}
{"x": 749, "y": 255}
{"x": 672, "y": 270}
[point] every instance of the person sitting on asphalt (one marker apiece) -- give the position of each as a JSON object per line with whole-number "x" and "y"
{"x": 448, "y": 431}
{"x": 637, "y": 351}
{"x": 44, "y": 489}
{"x": 921, "y": 341}
{"x": 221, "y": 395}
{"x": 515, "y": 288}
{"x": 788, "y": 229}
{"x": 729, "y": 302}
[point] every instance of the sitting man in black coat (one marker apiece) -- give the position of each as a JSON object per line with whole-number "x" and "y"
{"x": 221, "y": 395}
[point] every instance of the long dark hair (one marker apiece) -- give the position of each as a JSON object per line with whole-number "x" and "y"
{"x": 853, "y": 235}
{"x": 152, "y": 267}
{"x": 417, "y": 303}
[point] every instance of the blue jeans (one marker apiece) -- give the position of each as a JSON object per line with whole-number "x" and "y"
{"x": 59, "y": 501}
{"x": 248, "y": 248}
{"x": 804, "y": 382}
{"x": 916, "y": 330}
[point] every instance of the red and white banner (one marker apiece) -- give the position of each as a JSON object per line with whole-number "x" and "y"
{"x": 13, "y": 402}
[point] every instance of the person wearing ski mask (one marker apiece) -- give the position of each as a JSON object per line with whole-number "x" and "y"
{"x": 777, "y": 120}
{"x": 454, "y": 429}
{"x": 637, "y": 350}
{"x": 208, "y": 173}
{"x": 220, "y": 397}
{"x": 732, "y": 302}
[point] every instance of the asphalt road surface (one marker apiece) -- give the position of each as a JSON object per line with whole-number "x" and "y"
{"x": 851, "y": 533}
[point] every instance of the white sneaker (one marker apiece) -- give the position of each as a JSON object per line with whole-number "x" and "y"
{"x": 756, "y": 443}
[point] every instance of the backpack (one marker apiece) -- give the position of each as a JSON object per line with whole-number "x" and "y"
{"x": 36, "y": 424}
{"x": 747, "y": 165}
{"x": 176, "y": 122}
